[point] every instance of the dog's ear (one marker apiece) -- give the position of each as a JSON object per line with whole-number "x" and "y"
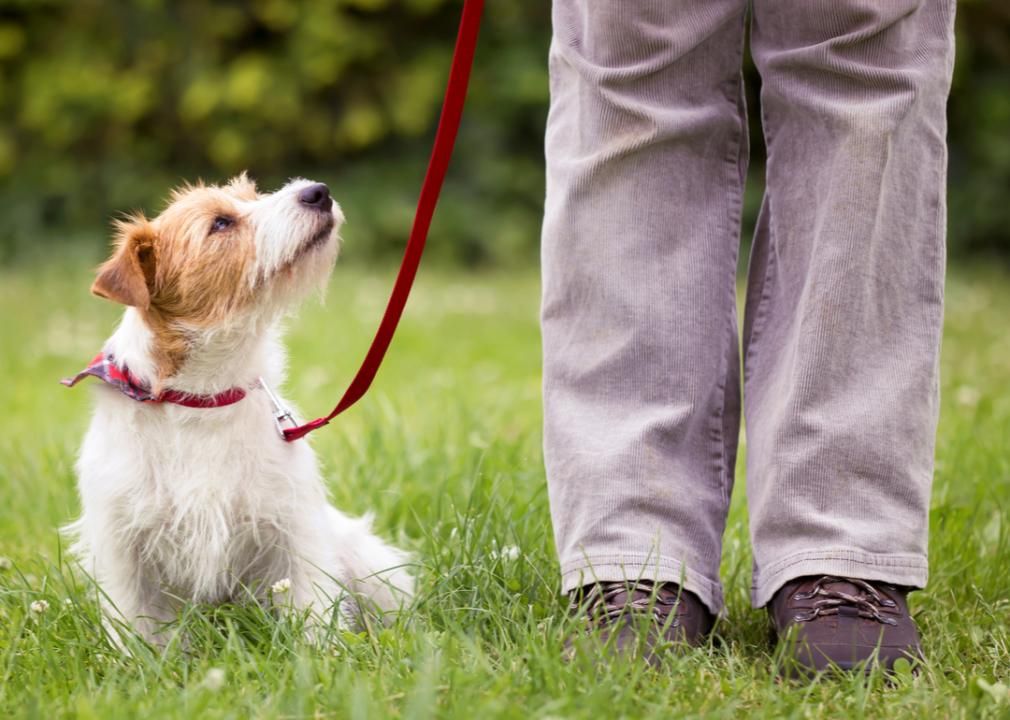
{"x": 128, "y": 275}
{"x": 242, "y": 187}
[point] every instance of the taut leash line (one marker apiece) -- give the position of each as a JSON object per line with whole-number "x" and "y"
{"x": 441, "y": 153}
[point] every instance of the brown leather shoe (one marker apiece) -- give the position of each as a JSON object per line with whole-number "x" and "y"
{"x": 844, "y": 623}
{"x": 641, "y": 617}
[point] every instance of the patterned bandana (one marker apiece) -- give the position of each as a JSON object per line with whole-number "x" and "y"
{"x": 104, "y": 368}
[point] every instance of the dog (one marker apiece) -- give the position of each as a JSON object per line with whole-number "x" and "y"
{"x": 188, "y": 491}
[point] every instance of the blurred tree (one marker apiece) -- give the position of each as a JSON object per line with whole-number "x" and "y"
{"x": 979, "y": 114}
{"x": 105, "y": 105}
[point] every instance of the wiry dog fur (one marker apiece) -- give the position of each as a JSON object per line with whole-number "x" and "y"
{"x": 208, "y": 505}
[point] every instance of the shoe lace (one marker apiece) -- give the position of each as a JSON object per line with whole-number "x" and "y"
{"x": 868, "y": 600}
{"x": 642, "y": 598}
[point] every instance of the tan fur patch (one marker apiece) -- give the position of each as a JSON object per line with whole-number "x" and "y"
{"x": 124, "y": 278}
{"x": 194, "y": 275}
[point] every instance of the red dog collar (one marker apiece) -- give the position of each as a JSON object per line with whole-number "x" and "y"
{"x": 104, "y": 368}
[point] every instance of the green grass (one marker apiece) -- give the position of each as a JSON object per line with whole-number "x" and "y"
{"x": 446, "y": 451}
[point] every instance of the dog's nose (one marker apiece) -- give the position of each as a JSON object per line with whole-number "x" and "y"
{"x": 316, "y": 196}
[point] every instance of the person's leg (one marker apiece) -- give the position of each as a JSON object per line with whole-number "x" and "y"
{"x": 845, "y": 303}
{"x": 646, "y": 153}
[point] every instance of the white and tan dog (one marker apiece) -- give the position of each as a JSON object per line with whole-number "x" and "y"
{"x": 189, "y": 494}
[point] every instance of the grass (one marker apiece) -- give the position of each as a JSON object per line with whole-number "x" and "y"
{"x": 446, "y": 451}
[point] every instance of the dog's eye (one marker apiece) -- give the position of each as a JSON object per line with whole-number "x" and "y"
{"x": 220, "y": 223}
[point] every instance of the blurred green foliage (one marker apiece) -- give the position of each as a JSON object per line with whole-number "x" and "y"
{"x": 106, "y": 105}
{"x": 979, "y": 112}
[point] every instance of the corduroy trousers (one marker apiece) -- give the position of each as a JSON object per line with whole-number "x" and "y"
{"x": 646, "y": 151}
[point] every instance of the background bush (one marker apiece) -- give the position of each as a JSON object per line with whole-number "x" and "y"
{"x": 105, "y": 105}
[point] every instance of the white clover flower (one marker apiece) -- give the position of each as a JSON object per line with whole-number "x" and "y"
{"x": 5, "y": 563}
{"x": 214, "y": 680}
{"x": 509, "y": 552}
{"x": 281, "y": 586}
{"x": 68, "y": 601}
{"x": 968, "y": 396}
{"x": 39, "y": 606}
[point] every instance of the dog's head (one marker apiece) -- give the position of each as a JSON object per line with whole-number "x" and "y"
{"x": 222, "y": 258}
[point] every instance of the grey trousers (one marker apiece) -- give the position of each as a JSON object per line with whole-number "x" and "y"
{"x": 646, "y": 157}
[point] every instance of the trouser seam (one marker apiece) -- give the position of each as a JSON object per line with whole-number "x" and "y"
{"x": 761, "y": 311}
{"x": 885, "y": 560}
{"x": 736, "y": 161}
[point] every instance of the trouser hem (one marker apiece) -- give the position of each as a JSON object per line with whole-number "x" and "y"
{"x": 634, "y": 566}
{"x": 908, "y": 570}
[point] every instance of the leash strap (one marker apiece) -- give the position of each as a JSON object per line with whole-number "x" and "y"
{"x": 441, "y": 153}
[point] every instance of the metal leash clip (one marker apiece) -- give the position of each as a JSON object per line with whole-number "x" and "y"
{"x": 281, "y": 413}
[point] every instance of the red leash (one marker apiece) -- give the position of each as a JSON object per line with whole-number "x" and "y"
{"x": 441, "y": 152}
